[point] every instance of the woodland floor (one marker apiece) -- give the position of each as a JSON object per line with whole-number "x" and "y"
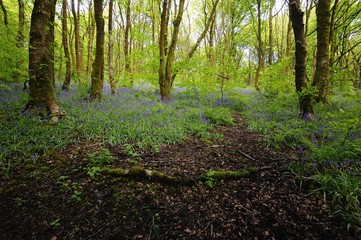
{"x": 56, "y": 199}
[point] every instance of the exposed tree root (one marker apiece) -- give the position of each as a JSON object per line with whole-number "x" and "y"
{"x": 156, "y": 176}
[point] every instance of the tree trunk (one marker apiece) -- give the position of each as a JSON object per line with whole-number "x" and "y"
{"x": 127, "y": 45}
{"x": 270, "y": 37}
{"x": 259, "y": 46}
{"x": 90, "y": 30}
{"x": 173, "y": 44}
{"x": 77, "y": 38}
{"x": 210, "y": 21}
{"x": 64, "y": 24}
{"x": 164, "y": 93}
{"x": 110, "y": 49}
{"x": 98, "y": 64}
{"x": 332, "y": 38}
{"x": 41, "y": 58}
{"x": 296, "y": 16}
{"x": 20, "y": 36}
{"x": 6, "y": 22}
{"x": 321, "y": 79}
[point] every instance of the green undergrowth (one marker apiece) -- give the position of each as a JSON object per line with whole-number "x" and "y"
{"x": 134, "y": 118}
{"x": 329, "y": 147}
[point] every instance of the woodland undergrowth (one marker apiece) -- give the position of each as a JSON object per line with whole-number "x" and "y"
{"x": 329, "y": 147}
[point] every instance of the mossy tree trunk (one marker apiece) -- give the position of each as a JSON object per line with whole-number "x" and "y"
{"x": 259, "y": 46}
{"x": 321, "y": 78}
{"x": 163, "y": 35}
{"x": 98, "y": 64}
{"x": 305, "y": 100}
{"x": 127, "y": 45}
{"x": 20, "y": 36}
{"x": 6, "y": 21}
{"x": 75, "y": 12}
{"x": 90, "y": 31}
{"x": 64, "y": 25}
{"x": 41, "y": 58}
{"x": 110, "y": 49}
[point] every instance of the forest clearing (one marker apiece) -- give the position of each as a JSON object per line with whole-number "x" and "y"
{"x": 178, "y": 119}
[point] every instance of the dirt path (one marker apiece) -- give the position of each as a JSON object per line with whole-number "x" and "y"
{"x": 58, "y": 200}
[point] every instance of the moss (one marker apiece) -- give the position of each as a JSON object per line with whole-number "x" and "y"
{"x": 157, "y": 176}
{"x": 162, "y": 177}
{"x": 137, "y": 171}
{"x": 113, "y": 171}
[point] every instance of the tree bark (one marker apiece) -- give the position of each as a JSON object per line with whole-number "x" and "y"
{"x": 90, "y": 30}
{"x": 167, "y": 56}
{"x": 209, "y": 23}
{"x": 41, "y": 59}
{"x": 110, "y": 49}
{"x": 128, "y": 25}
{"x": 77, "y": 38}
{"x": 163, "y": 34}
{"x": 20, "y": 36}
{"x": 321, "y": 78}
{"x": 64, "y": 24}
{"x": 270, "y": 37}
{"x": 6, "y": 21}
{"x": 305, "y": 103}
{"x": 98, "y": 64}
{"x": 259, "y": 46}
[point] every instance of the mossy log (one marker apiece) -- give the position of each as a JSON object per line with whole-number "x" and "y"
{"x": 156, "y": 176}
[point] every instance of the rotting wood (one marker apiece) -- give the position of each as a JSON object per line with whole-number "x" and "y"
{"x": 156, "y": 176}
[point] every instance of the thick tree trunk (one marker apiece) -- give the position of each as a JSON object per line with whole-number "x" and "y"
{"x": 64, "y": 24}
{"x": 321, "y": 78}
{"x": 98, "y": 65}
{"x": 6, "y": 21}
{"x": 296, "y": 16}
{"x": 41, "y": 58}
{"x": 110, "y": 49}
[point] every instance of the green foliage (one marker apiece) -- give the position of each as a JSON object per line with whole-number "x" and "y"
{"x": 329, "y": 146}
{"x": 209, "y": 179}
{"x": 100, "y": 157}
{"x": 219, "y": 116}
{"x": 135, "y": 119}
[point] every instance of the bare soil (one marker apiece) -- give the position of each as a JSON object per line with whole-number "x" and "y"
{"x": 56, "y": 198}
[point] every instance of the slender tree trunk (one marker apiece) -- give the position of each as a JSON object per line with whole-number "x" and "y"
{"x": 98, "y": 64}
{"x": 110, "y": 49}
{"x": 332, "y": 38}
{"x": 127, "y": 43}
{"x": 200, "y": 38}
{"x": 259, "y": 46}
{"x": 91, "y": 30}
{"x": 321, "y": 79}
{"x": 41, "y": 58}
{"x": 77, "y": 38}
{"x": 20, "y": 36}
{"x": 64, "y": 24}
{"x": 6, "y": 21}
{"x": 167, "y": 56}
{"x": 296, "y": 16}
{"x": 270, "y": 37}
